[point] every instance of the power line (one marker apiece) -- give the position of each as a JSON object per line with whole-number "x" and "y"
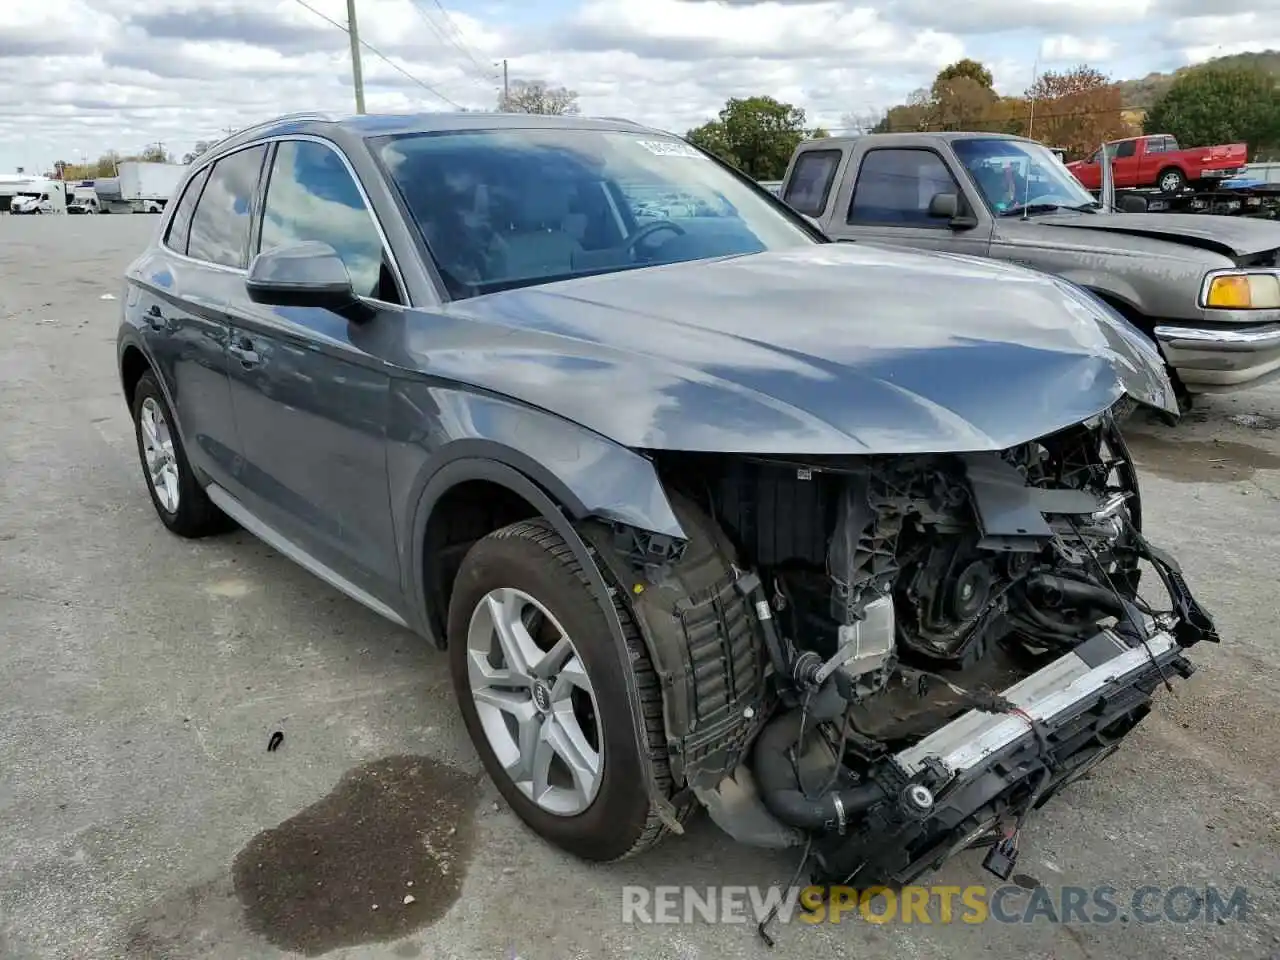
{"x": 382, "y": 56}
{"x": 450, "y": 38}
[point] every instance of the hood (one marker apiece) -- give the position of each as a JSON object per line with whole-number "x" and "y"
{"x": 827, "y": 349}
{"x": 1231, "y": 236}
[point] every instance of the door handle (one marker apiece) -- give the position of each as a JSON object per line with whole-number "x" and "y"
{"x": 242, "y": 347}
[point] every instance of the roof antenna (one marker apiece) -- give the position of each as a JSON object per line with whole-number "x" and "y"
{"x": 1031, "y": 120}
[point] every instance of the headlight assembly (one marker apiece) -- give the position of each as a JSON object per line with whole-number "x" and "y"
{"x": 1242, "y": 290}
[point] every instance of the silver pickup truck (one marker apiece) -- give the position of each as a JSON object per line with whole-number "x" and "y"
{"x": 1206, "y": 289}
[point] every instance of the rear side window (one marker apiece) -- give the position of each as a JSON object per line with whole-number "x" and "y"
{"x": 180, "y": 225}
{"x": 811, "y": 181}
{"x": 220, "y": 226}
{"x": 895, "y": 187}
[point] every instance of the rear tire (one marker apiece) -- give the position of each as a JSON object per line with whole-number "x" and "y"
{"x": 180, "y": 501}
{"x": 529, "y": 561}
{"x": 1171, "y": 180}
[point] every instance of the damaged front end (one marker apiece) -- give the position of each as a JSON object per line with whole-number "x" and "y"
{"x": 894, "y": 658}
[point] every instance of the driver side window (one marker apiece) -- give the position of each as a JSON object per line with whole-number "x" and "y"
{"x": 895, "y": 186}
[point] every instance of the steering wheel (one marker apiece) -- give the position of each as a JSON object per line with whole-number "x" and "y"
{"x": 649, "y": 229}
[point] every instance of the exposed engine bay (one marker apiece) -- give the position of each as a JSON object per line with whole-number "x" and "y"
{"x": 947, "y": 639}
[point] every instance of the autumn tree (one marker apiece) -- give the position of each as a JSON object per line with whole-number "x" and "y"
{"x": 535, "y": 96}
{"x": 910, "y": 116}
{"x": 755, "y": 134}
{"x": 1078, "y": 110}
{"x": 1210, "y": 105}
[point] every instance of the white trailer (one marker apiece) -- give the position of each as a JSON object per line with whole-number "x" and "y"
{"x": 139, "y": 187}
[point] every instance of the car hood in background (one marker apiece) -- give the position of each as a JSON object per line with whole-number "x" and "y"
{"x": 829, "y": 349}
{"x": 1230, "y": 236}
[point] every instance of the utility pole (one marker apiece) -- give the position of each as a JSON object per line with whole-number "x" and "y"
{"x": 506, "y": 89}
{"x": 357, "y": 75}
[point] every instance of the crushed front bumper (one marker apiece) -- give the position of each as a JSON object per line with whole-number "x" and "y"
{"x": 985, "y": 767}
{"x": 1215, "y": 359}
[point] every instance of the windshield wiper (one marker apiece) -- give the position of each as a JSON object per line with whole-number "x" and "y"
{"x": 1092, "y": 206}
{"x": 1026, "y": 209}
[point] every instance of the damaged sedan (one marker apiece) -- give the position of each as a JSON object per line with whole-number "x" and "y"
{"x": 840, "y": 543}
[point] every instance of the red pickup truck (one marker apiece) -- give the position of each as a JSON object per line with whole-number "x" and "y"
{"x": 1156, "y": 160}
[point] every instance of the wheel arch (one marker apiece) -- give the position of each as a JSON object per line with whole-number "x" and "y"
{"x": 133, "y": 364}
{"x": 483, "y": 466}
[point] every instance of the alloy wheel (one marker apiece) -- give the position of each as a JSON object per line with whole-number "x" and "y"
{"x": 535, "y": 702}
{"x": 160, "y": 454}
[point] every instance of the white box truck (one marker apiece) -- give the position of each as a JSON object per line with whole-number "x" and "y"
{"x": 139, "y": 187}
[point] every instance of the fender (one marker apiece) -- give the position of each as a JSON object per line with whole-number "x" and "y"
{"x": 463, "y": 468}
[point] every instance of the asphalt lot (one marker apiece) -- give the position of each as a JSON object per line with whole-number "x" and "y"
{"x": 141, "y": 814}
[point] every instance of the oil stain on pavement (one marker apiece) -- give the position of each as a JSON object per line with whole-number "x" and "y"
{"x": 382, "y": 855}
{"x": 1199, "y": 461}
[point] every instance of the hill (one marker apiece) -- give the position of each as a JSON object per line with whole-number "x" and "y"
{"x": 1141, "y": 93}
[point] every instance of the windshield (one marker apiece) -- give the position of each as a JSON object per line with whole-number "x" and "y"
{"x": 510, "y": 208}
{"x": 1016, "y": 177}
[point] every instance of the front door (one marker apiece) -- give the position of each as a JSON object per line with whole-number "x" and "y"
{"x": 889, "y": 203}
{"x": 311, "y": 406}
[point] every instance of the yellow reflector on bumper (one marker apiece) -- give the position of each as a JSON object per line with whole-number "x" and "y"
{"x": 1244, "y": 292}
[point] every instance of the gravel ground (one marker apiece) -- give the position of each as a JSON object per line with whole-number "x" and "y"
{"x": 141, "y": 676}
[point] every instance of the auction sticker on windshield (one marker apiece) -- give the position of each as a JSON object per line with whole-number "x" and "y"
{"x": 669, "y": 148}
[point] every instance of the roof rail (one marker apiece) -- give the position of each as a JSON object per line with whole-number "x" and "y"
{"x": 298, "y": 115}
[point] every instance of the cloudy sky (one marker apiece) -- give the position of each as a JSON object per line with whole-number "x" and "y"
{"x": 79, "y": 77}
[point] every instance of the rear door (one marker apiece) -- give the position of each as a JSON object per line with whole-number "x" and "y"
{"x": 1125, "y": 164}
{"x": 181, "y": 296}
{"x": 1152, "y": 155}
{"x": 886, "y": 195}
{"x": 311, "y": 404}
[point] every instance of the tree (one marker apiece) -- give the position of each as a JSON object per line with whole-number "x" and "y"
{"x": 965, "y": 69}
{"x": 1078, "y": 110}
{"x": 906, "y": 117}
{"x": 1211, "y": 105}
{"x": 961, "y": 103}
{"x": 201, "y": 146}
{"x": 755, "y": 134}
{"x": 535, "y": 96}
{"x": 860, "y": 123}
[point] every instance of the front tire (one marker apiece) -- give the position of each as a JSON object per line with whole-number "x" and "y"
{"x": 180, "y": 501}
{"x": 539, "y": 686}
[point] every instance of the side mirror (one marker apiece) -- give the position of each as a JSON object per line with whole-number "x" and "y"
{"x": 946, "y": 206}
{"x": 307, "y": 274}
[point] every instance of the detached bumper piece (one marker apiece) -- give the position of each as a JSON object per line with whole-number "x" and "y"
{"x": 1210, "y": 359}
{"x": 987, "y": 767}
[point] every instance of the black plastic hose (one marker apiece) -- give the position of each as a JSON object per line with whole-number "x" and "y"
{"x": 776, "y": 776}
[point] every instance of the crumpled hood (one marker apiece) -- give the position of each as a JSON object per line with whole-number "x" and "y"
{"x": 829, "y": 349}
{"x": 1231, "y": 236}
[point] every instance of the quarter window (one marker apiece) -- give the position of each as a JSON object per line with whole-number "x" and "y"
{"x": 220, "y": 227}
{"x": 811, "y": 181}
{"x": 895, "y": 187}
{"x": 180, "y": 225}
{"x": 311, "y": 195}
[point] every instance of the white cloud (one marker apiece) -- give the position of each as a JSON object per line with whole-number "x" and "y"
{"x": 1066, "y": 48}
{"x": 86, "y": 76}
